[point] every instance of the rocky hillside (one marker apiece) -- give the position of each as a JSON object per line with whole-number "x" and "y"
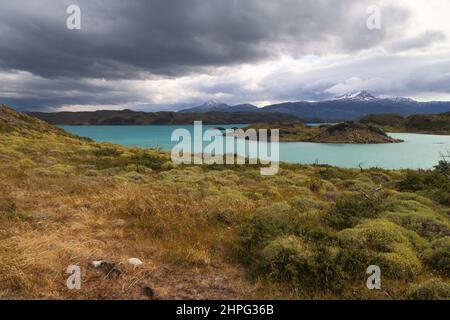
{"x": 11, "y": 120}
{"x": 352, "y": 132}
{"x": 346, "y": 132}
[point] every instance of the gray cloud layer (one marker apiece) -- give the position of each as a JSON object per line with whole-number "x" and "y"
{"x": 139, "y": 39}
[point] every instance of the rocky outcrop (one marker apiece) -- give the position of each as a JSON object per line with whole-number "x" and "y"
{"x": 345, "y": 132}
{"x": 352, "y": 132}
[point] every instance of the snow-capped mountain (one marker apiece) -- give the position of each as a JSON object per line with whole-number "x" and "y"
{"x": 349, "y": 106}
{"x": 212, "y": 104}
{"x": 356, "y": 95}
{"x": 355, "y": 105}
{"x": 364, "y": 95}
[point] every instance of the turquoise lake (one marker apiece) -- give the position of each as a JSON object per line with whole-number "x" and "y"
{"x": 418, "y": 150}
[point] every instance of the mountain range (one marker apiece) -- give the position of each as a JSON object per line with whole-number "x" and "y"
{"x": 349, "y": 106}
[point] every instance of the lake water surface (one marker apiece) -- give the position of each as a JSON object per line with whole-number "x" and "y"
{"x": 418, "y": 150}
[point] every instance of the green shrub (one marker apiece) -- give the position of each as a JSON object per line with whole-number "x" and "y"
{"x": 413, "y": 181}
{"x": 6, "y": 128}
{"x": 305, "y": 203}
{"x": 61, "y": 170}
{"x": 416, "y": 216}
{"x": 150, "y": 161}
{"x": 329, "y": 173}
{"x": 438, "y": 256}
{"x": 348, "y": 211}
{"x": 384, "y": 244}
{"x": 287, "y": 259}
{"x": 268, "y": 223}
{"x": 291, "y": 260}
{"x": 434, "y": 183}
{"x": 443, "y": 165}
{"x": 432, "y": 289}
{"x": 107, "y": 152}
{"x": 354, "y": 260}
{"x": 320, "y": 185}
{"x": 441, "y": 195}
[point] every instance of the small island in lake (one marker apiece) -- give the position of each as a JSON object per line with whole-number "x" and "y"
{"x": 345, "y": 132}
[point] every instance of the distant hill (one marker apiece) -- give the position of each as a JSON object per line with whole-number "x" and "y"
{"x": 129, "y": 117}
{"x": 214, "y": 106}
{"x": 418, "y": 123}
{"x": 355, "y": 105}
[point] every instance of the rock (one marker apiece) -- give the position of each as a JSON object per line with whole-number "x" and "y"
{"x": 97, "y": 263}
{"x": 109, "y": 269}
{"x": 352, "y": 132}
{"x": 136, "y": 178}
{"x": 134, "y": 261}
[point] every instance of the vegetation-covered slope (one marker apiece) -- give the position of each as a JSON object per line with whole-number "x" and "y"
{"x": 13, "y": 121}
{"x": 308, "y": 232}
{"x": 418, "y": 123}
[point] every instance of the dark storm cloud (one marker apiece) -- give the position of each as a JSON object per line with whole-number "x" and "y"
{"x": 126, "y": 50}
{"x": 131, "y": 39}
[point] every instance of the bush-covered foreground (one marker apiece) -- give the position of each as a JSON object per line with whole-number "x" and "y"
{"x": 213, "y": 231}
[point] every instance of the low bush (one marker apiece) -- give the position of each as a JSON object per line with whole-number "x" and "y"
{"x": 348, "y": 211}
{"x": 385, "y": 244}
{"x": 438, "y": 256}
{"x": 107, "y": 152}
{"x": 329, "y": 173}
{"x": 268, "y": 223}
{"x": 433, "y": 183}
{"x": 432, "y": 289}
{"x": 443, "y": 165}
{"x": 306, "y": 266}
{"x": 417, "y": 216}
{"x": 151, "y": 161}
{"x": 305, "y": 203}
{"x": 316, "y": 185}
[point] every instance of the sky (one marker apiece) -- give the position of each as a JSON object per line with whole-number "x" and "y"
{"x": 156, "y": 55}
